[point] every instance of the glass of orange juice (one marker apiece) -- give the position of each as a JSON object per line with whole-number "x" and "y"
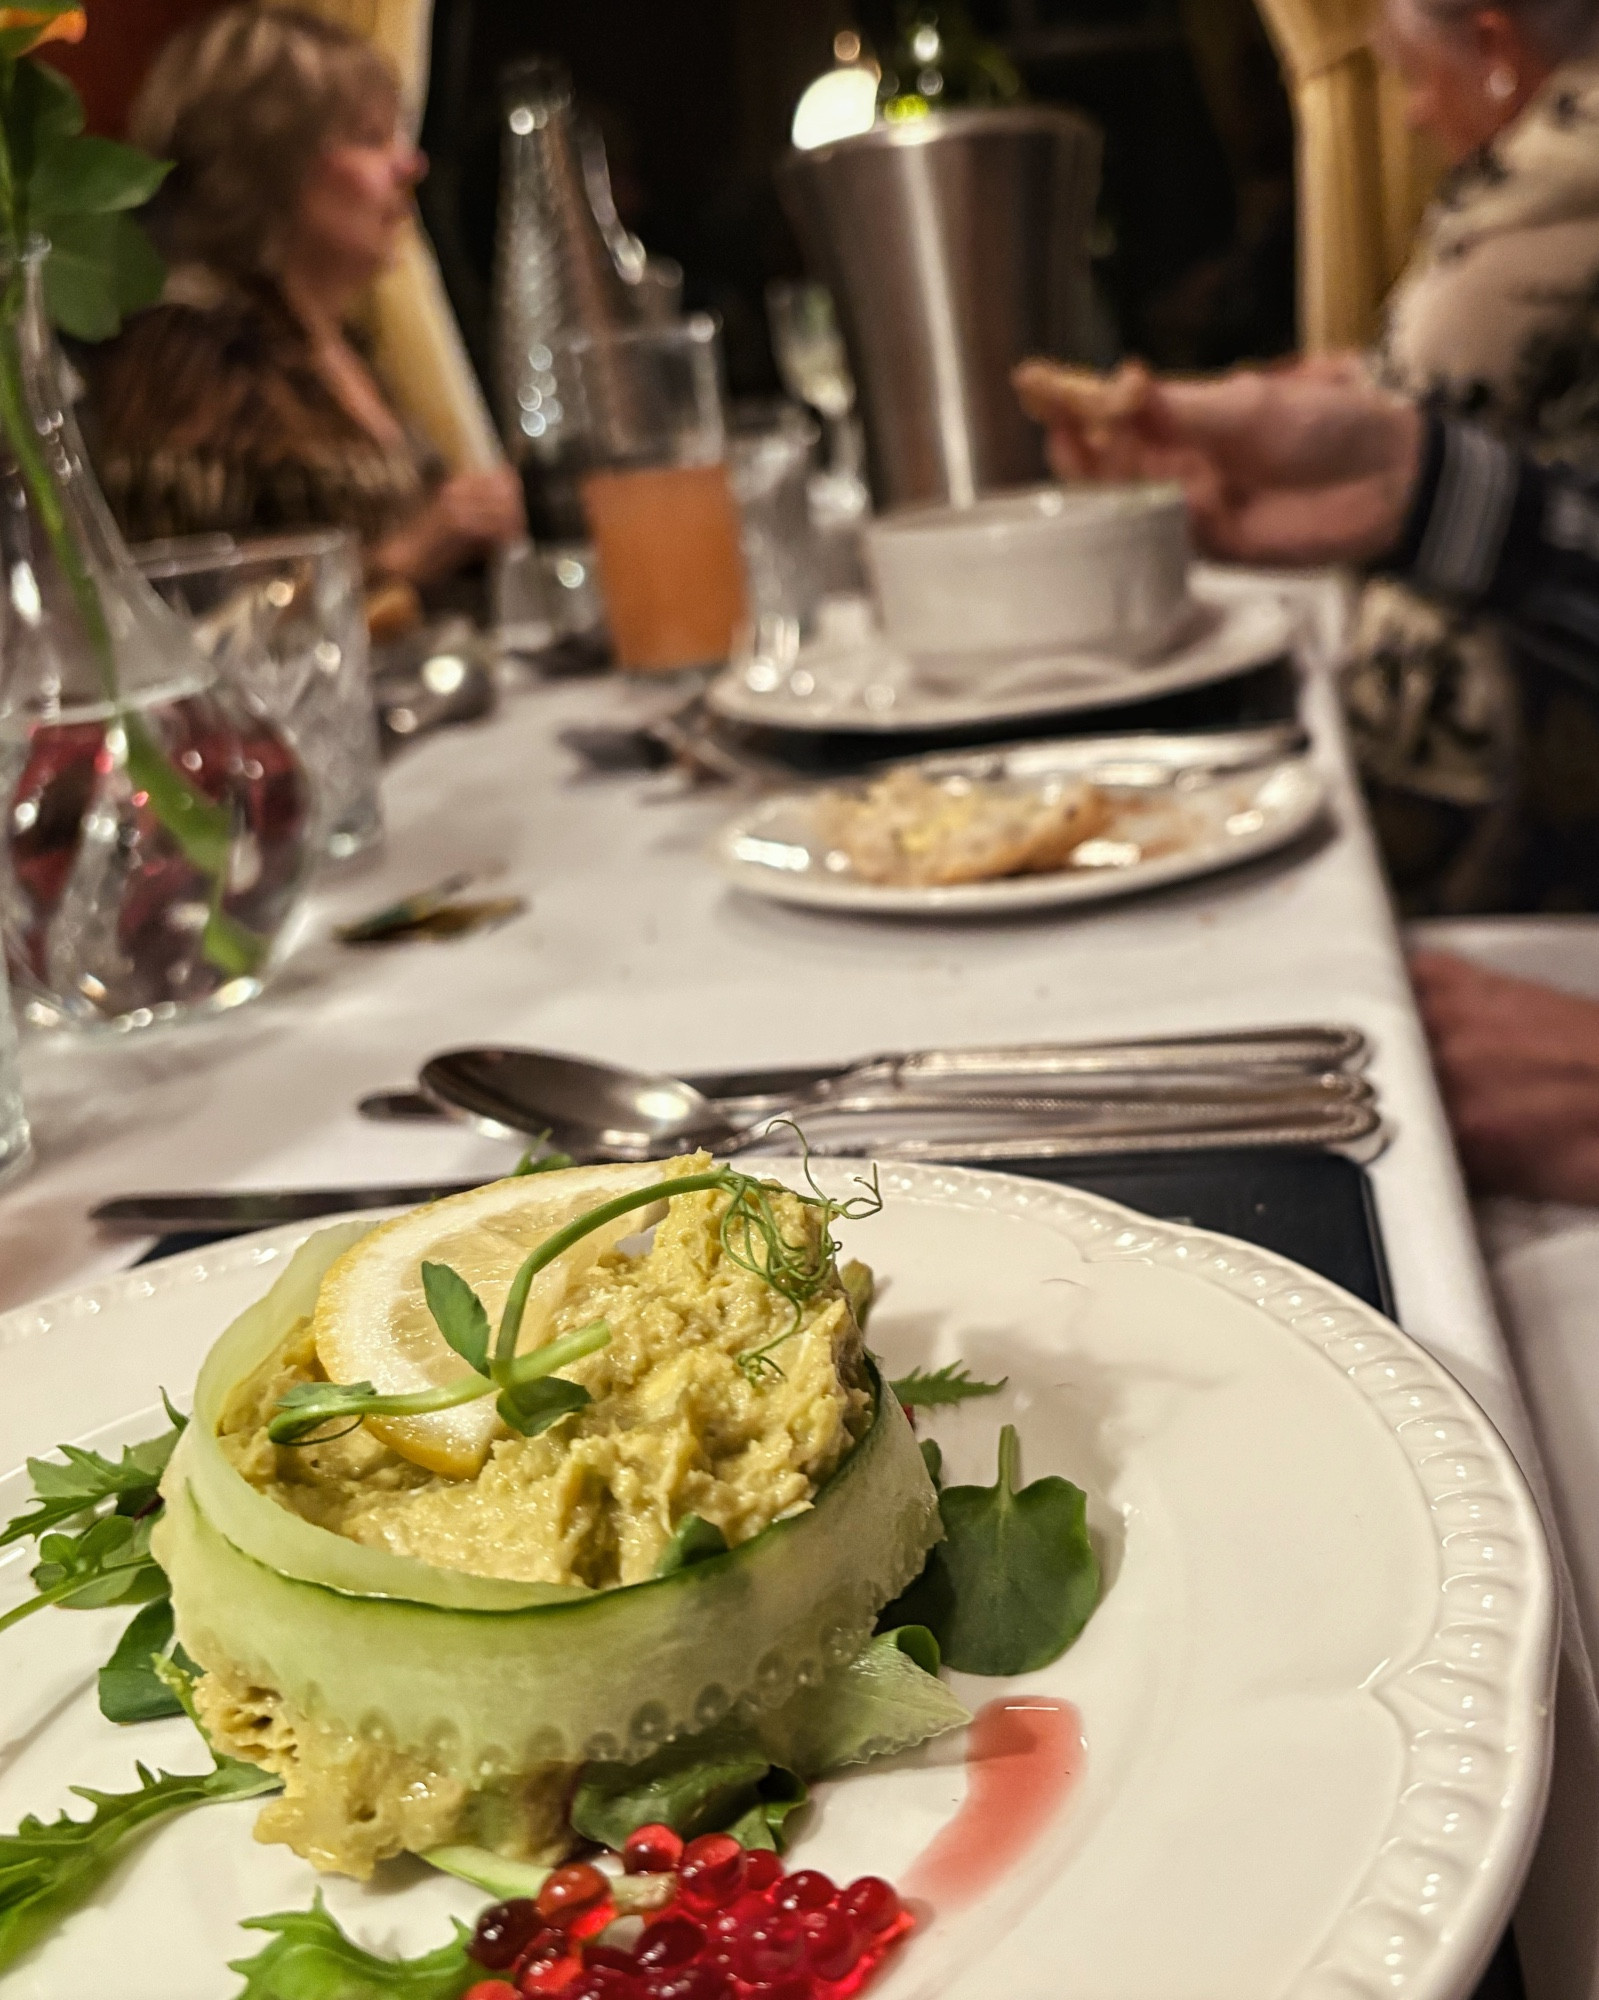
{"x": 645, "y": 410}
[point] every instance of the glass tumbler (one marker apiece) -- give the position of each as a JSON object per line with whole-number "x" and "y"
{"x": 645, "y": 412}
{"x": 283, "y": 621}
{"x": 16, "y": 1146}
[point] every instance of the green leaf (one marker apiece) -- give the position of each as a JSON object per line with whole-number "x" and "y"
{"x": 747, "y": 1778}
{"x": 1014, "y": 1580}
{"x": 64, "y": 1493}
{"x": 48, "y": 1869}
{"x": 531, "y": 1407}
{"x": 886, "y": 1700}
{"x": 310, "y": 1958}
{"x": 81, "y": 174}
{"x": 933, "y": 1458}
{"x": 109, "y": 1562}
{"x": 101, "y": 268}
{"x": 695, "y": 1540}
{"x": 44, "y": 108}
{"x": 951, "y": 1384}
{"x": 458, "y": 1314}
{"x": 699, "y": 1784}
{"x": 541, "y": 1163}
{"x": 131, "y": 1687}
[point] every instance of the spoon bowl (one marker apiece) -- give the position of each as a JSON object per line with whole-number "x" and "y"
{"x": 596, "y": 1111}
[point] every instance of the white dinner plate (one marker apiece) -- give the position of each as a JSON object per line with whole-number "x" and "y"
{"x": 1179, "y": 826}
{"x": 1313, "y": 1702}
{"x": 850, "y": 678}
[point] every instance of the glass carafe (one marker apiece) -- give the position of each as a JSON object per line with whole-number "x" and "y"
{"x": 155, "y": 834}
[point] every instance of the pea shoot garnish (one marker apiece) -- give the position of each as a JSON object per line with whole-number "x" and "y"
{"x": 530, "y": 1394}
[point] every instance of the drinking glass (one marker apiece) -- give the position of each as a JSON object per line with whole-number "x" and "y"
{"x": 283, "y": 621}
{"x": 771, "y": 452}
{"x": 16, "y": 1147}
{"x": 644, "y": 408}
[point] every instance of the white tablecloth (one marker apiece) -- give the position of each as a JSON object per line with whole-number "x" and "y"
{"x": 634, "y": 950}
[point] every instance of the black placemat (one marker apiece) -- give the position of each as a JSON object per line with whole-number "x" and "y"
{"x": 1313, "y": 1207}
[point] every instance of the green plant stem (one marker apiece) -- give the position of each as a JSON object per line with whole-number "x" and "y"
{"x": 53, "y": 1595}
{"x": 527, "y": 1368}
{"x": 574, "y": 1232}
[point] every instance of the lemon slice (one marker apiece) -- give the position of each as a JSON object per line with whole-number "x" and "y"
{"x": 372, "y": 1322}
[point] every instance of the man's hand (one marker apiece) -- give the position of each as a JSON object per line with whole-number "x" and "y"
{"x": 1519, "y": 1065}
{"x": 1306, "y": 465}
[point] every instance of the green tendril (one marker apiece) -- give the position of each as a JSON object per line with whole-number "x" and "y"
{"x": 752, "y": 1237}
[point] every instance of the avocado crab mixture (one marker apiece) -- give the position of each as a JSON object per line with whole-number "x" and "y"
{"x": 676, "y": 1427}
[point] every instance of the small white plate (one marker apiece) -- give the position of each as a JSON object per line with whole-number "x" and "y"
{"x": 1196, "y": 823}
{"x": 1314, "y": 1698}
{"x": 850, "y": 678}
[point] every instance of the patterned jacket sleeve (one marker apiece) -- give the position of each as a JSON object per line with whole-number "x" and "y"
{"x": 1491, "y": 528}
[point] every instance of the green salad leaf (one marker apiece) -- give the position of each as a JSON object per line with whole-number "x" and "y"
{"x": 48, "y": 1869}
{"x": 950, "y": 1384}
{"x": 131, "y": 1689}
{"x": 531, "y": 1407}
{"x": 1015, "y": 1578}
{"x": 310, "y": 1958}
{"x": 747, "y": 1778}
{"x": 64, "y": 1493}
{"x": 695, "y": 1540}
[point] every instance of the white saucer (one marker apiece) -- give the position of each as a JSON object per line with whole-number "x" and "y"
{"x": 849, "y": 677}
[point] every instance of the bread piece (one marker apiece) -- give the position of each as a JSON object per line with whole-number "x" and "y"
{"x": 910, "y": 830}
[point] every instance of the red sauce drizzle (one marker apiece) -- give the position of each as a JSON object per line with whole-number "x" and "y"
{"x": 1024, "y": 1754}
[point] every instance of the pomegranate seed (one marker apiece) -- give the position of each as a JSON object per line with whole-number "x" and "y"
{"x": 602, "y": 1982}
{"x": 544, "y": 1947}
{"x": 503, "y": 1933}
{"x": 651, "y": 1850}
{"x": 673, "y": 1941}
{"x": 490, "y": 1989}
{"x": 688, "y": 1982}
{"x": 832, "y": 1943}
{"x": 711, "y": 1873}
{"x": 608, "y": 1955}
{"x": 808, "y": 1889}
{"x": 539, "y": 1978}
{"x": 792, "y": 1986}
{"x": 570, "y": 1891}
{"x": 772, "y": 1945}
{"x": 761, "y": 1869}
{"x": 871, "y": 1903}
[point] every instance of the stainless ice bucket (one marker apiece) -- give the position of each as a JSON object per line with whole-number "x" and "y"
{"x": 954, "y": 245}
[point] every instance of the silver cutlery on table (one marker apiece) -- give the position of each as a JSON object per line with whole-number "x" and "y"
{"x": 1047, "y": 1130}
{"x": 745, "y": 1094}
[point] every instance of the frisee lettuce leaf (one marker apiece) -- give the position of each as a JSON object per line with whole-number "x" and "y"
{"x": 310, "y": 1958}
{"x": 48, "y": 1869}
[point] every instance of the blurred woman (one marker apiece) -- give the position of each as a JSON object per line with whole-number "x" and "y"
{"x": 242, "y": 403}
{"x": 1485, "y": 787}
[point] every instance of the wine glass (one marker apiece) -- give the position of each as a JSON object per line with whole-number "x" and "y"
{"x": 810, "y": 355}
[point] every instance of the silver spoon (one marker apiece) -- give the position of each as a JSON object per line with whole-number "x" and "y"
{"x": 597, "y": 1111}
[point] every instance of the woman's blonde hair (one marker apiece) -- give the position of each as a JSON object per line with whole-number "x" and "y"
{"x": 242, "y": 103}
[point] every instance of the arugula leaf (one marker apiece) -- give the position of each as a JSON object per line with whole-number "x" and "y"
{"x": 1015, "y": 1578}
{"x": 310, "y": 1958}
{"x": 541, "y": 1163}
{"x": 531, "y": 1407}
{"x": 109, "y": 1562}
{"x": 64, "y": 1492}
{"x": 778, "y": 1795}
{"x": 950, "y": 1384}
{"x": 694, "y": 1541}
{"x": 458, "y": 1313}
{"x": 132, "y": 1687}
{"x": 46, "y": 1870}
{"x": 933, "y": 1458}
{"x": 886, "y": 1700}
